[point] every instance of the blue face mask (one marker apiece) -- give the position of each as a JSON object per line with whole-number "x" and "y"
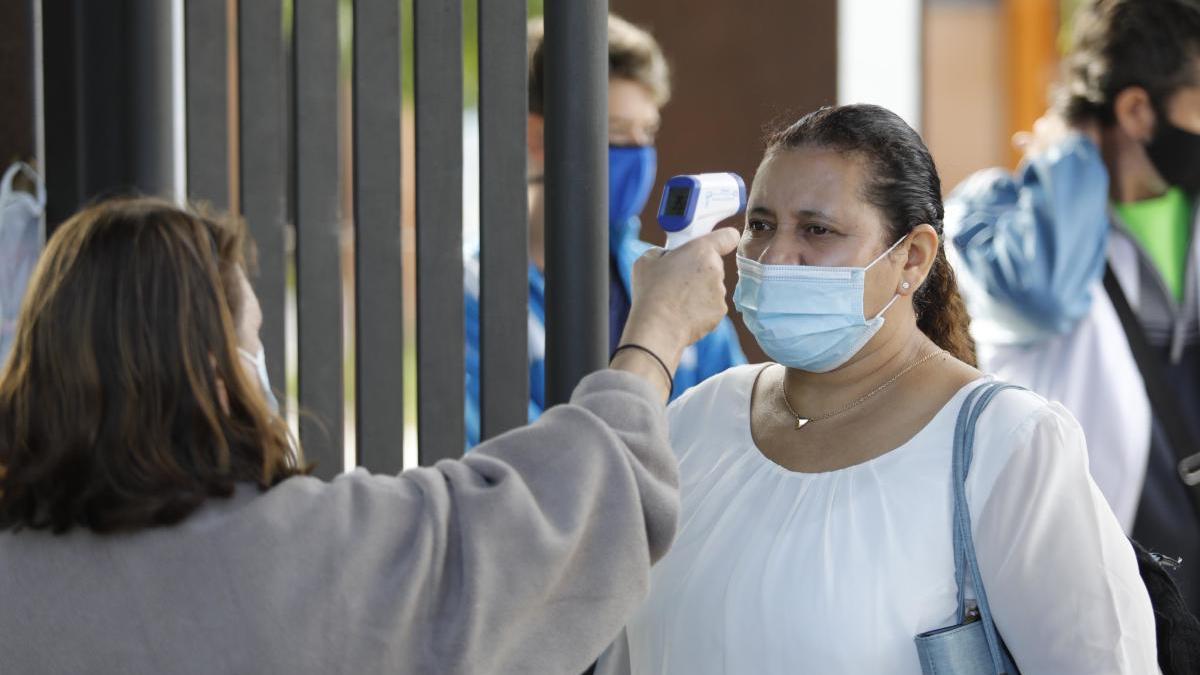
{"x": 805, "y": 317}
{"x": 631, "y": 171}
{"x": 260, "y": 368}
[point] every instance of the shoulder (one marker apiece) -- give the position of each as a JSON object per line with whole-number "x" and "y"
{"x": 1015, "y": 416}
{"x": 313, "y": 519}
{"x": 1012, "y": 410}
{"x": 735, "y": 382}
{"x": 1021, "y": 427}
{"x": 358, "y": 492}
{"x": 713, "y": 400}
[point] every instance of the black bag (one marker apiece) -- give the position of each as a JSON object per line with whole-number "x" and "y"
{"x": 1177, "y": 630}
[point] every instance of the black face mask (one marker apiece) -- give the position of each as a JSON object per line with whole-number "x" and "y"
{"x": 1175, "y": 153}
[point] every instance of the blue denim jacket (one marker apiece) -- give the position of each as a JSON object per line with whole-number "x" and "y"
{"x": 1030, "y": 245}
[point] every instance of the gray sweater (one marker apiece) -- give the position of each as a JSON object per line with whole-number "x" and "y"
{"x": 526, "y": 556}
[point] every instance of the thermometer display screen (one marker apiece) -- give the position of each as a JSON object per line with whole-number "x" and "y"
{"x": 677, "y": 201}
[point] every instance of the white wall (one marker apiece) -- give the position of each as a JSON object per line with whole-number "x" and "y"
{"x": 879, "y": 55}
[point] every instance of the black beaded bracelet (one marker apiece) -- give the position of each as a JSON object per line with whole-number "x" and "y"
{"x": 666, "y": 370}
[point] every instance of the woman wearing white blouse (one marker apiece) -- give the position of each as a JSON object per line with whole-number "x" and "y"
{"x": 815, "y": 535}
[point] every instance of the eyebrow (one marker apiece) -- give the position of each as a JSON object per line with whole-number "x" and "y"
{"x": 818, "y": 214}
{"x": 801, "y": 214}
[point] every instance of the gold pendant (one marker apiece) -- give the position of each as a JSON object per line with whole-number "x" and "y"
{"x": 800, "y": 422}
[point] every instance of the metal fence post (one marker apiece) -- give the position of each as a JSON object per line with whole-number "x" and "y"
{"x": 207, "y": 95}
{"x": 503, "y": 228}
{"x": 109, "y": 106}
{"x": 379, "y": 297}
{"x": 263, "y": 145}
{"x": 17, "y": 59}
{"x": 318, "y": 240}
{"x": 440, "y": 376}
{"x": 576, "y": 193}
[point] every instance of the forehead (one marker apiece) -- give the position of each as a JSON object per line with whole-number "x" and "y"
{"x": 812, "y": 179}
{"x": 1183, "y": 108}
{"x": 1185, "y": 99}
{"x": 630, "y": 101}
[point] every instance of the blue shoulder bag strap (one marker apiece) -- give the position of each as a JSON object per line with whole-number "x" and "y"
{"x": 964, "y": 545}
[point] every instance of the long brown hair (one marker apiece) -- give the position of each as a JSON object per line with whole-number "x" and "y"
{"x": 123, "y": 404}
{"x": 903, "y": 184}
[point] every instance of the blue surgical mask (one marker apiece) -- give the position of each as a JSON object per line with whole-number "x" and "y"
{"x": 260, "y": 367}
{"x": 805, "y": 317}
{"x": 631, "y": 171}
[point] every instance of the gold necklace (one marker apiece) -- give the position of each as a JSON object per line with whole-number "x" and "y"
{"x": 802, "y": 421}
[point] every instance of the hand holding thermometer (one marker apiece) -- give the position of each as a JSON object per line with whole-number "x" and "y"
{"x": 693, "y": 204}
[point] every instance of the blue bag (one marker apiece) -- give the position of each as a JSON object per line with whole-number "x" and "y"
{"x": 973, "y": 645}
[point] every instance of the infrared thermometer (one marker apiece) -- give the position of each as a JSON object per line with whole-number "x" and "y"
{"x": 693, "y": 204}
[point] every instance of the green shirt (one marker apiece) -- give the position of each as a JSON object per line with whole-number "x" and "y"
{"x": 1163, "y": 227}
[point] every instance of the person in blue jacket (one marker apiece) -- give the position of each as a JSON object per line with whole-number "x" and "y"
{"x": 1110, "y": 181}
{"x": 638, "y": 87}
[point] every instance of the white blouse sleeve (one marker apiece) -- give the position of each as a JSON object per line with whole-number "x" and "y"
{"x": 1060, "y": 575}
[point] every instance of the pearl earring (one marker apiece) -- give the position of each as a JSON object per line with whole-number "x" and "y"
{"x": 905, "y": 285}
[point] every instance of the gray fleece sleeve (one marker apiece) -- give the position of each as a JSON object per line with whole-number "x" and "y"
{"x": 527, "y": 555}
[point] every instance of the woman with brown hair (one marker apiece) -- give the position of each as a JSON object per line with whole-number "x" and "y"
{"x": 816, "y": 532}
{"x": 154, "y": 517}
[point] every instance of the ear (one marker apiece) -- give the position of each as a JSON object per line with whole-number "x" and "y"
{"x": 535, "y": 143}
{"x": 1135, "y": 113}
{"x": 923, "y": 243}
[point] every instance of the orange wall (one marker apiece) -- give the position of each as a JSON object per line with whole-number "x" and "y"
{"x": 965, "y": 99}
{"x": 989, "y": 67}
{"x": 1032, "y": 58}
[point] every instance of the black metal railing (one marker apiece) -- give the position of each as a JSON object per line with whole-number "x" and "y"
{"x": 378, "y": 281}
{"x": 438, "y": 66}
{"x": 277, "y": 159}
